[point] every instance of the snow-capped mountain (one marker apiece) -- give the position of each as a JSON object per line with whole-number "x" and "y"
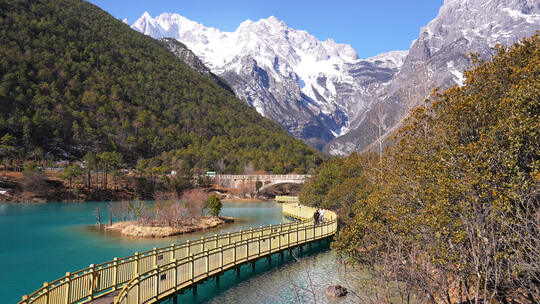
{"x": 392, "y": 60}
{"x": 312, "y": 88}
{"x": 439, "y": 57}
{"x": 321, "y": 92}
{"x": 190, "y": 59}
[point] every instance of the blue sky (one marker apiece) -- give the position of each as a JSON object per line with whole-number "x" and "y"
{"x": 370, "y": 26}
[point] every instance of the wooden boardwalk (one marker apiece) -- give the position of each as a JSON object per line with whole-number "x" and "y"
{"x": 108, "y": 298}
{"x": 154, "y": 275}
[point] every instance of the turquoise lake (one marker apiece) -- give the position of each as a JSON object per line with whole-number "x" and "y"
{"x": 41, "y": 242}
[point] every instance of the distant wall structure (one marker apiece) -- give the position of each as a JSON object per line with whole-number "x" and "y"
{"x": 250, "y": 181}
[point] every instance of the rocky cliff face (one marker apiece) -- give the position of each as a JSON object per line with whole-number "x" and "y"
{"x": 189, "y": 58}
{"x": 321, "y": 92}
{"x": 438, "y": 58}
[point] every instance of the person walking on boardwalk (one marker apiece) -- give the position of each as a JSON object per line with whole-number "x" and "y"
{"x": 321, "y": 216}
{"x": 316, "y": 217}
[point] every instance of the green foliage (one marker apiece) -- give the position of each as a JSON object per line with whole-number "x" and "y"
{"x": 182, "y": 180}
{"x": 214, "y": 205}
{"x": 109, "y": 160}
{"x": 7, "y": 145}
{"x": 72, "y": 172}
{"x": 90, "y": 159}
{"x": 8, "y": 140}
{"x": 30, "y": 167}
{"x": 454, "y": 197}
{"x": 74, "y": 79}
{"x": 337, "y": 184}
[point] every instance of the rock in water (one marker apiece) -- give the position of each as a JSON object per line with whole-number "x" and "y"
{"x": 336, "y": 291}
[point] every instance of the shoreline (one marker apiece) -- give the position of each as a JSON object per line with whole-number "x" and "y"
{"x": 58, "y": 190}
{"x": 74, "y": 201}
{"x": 246, "y": 200}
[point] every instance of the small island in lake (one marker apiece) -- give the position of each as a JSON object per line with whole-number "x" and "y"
{"x": 136, "y": 229}
{"x": 168, "y": 216}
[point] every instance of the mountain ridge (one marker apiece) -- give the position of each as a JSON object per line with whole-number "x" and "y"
{"x": 438, "y": 58}
{"x": 321, "y": 92}
{"x": 306, "y": 85}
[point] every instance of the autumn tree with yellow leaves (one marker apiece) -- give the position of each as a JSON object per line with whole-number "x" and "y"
{"x": 452, "y": 214}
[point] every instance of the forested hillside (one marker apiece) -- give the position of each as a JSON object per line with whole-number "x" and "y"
{"x": 73, "y": 79}
{"x": 451, "y": 211}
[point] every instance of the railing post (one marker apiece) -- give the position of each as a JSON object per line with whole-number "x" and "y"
{"x": 207, "y": 262}
{"x": 234, "y": 254}
{"x": 217, "y": 243}
{"x": 24, "y": 299}
{"x": 297, "y": 233}
{"x": 46, "y": 290}
{"x": 136, "y": 268}
{"x": 173, "y": 255}
{"x": 192, "y": 267}
{"x": 175, "y": 261}
{"x": 202, "y": 241}
{"x": 154, "y": 252}
{"x": 250, "y": 232}
{"x": 188, "y": 248}
{"x": 270, "y": 240}
{"x": 68, "y": 290}
{"x": 156, "y": 288}
{"x": 229, "y": 238}
{"x": 92, "y": 280}
{"x": 259, "y": 245}
{"x": 138, "y": 292}
{"x": 221, "y": 259}
{"x": 115, "y": 273}
{"x": 279, "y": 235}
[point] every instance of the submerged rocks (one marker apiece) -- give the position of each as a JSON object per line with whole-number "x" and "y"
{"x": 336, "y": 291}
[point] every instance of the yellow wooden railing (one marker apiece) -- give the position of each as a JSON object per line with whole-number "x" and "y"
{"x": 287, "y": 199}
{"x": 153, "y": 275}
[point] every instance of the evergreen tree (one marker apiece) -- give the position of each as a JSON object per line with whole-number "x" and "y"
{"x": 214, "y": 205}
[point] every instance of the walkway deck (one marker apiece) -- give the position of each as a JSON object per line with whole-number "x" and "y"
{"x": 151, "y": 276}
{"x": 106, "y": 299}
